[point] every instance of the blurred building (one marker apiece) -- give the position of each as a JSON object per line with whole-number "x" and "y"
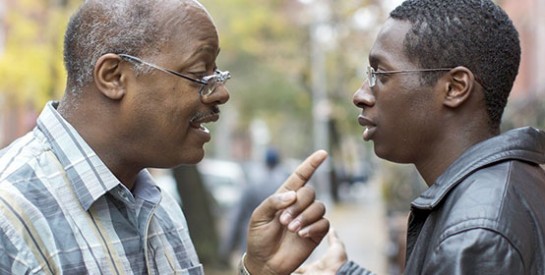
{"x": 527, "y": 102}
{"x": 527, "y": 15}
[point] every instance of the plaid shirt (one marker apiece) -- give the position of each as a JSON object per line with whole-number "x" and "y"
{"x": 63, "y": 211}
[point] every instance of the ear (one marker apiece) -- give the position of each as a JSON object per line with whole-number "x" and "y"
{"x": 109, "y": 76}
{"x": 459, "y": 86}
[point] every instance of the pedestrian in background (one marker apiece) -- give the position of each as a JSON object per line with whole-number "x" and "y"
{"x": 438, "y": 80}
{"x": 267, "y": 180}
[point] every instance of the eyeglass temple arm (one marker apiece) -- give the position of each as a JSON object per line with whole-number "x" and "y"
{"x": 140, "y": 61}
{"x": 414, "y": 71}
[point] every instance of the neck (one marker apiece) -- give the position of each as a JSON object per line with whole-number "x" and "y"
{"x": 90, "y": 126}
{"x": 431, "y": 167}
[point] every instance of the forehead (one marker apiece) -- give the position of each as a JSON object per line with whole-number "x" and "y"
{"x": 189, "y": 30}
{"x": 388, "y": 46}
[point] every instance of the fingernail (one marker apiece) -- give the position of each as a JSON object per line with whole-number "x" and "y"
{"x": 294, "y": 226}
{"x": 304, "y": 232}
{"x": 285, "y": 218}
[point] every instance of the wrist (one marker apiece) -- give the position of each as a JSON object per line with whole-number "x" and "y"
{"x": 242, "y": 270}
{"x": 248, "y": 267}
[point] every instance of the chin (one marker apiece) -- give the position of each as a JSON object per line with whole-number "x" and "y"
{"x": 392, "y": 157}
{"x": 193, "y": 156}
{"x": 187, "y": 157}
{"x": 386, "y": 154}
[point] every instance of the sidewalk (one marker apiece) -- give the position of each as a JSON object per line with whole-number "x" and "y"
{"x": 360, "y": 222}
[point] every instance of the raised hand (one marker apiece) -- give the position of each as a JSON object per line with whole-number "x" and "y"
{"x": 288, "y": 225}
{"x": 333, "y": 259}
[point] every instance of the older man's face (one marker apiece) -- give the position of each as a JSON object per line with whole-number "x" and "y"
{"x": 168, "y": 114}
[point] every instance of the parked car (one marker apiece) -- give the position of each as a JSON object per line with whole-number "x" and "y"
{"x": 224, "y": 179}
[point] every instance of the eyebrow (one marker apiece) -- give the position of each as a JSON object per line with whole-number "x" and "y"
{"x": 374, "y": 59}
{"x": 206, "y": 48}
{"x": 377, "y": 58}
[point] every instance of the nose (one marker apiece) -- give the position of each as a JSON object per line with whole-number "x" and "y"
{"x": 218, "y": 97}
{"x": 363, "y": 97}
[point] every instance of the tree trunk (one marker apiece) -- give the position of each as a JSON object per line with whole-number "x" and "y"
{"x": 197, "y": 207}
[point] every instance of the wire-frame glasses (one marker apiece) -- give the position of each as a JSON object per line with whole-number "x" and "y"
{"x": 209, "y": 83}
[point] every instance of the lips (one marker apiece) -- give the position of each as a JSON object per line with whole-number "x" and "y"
{"x": 369, "y": 126}
{"x": 202, "y": 118}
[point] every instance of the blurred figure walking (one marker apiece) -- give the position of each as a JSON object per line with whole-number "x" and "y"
{"x": 266, "y": 181}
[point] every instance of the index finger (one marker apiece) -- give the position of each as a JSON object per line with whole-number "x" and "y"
{"x": 303, "y": 172}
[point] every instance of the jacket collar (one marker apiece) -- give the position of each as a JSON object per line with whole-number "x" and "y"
{"x": 526, "y": 144}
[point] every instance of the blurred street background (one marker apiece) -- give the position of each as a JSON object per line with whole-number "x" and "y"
{"x": 295, "y": 65}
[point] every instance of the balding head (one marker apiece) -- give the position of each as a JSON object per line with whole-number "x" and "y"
{"x": 135, "y": 27}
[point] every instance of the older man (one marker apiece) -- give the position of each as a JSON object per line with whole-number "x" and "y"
{"x": 438, "y": 80}
{"x": 75, "y": 196}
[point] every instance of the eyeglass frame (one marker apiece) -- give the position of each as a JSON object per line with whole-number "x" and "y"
{"x": 372, "y": 74}
{"x": 220, "y": 77}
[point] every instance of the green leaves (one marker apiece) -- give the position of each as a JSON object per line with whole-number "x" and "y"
{"x": 31, "y": 61}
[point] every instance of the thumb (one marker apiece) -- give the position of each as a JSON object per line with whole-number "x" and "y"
{"x": 332, "y": 237}
{"x": 300, "y": 270}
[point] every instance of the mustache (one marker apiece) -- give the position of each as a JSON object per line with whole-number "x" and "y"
{"x": 215, "y": 110}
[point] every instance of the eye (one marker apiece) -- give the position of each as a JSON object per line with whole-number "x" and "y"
{"x": 382, "y": 77}
{"x": 198, "y": 75}
{"x": 380, "y": 70}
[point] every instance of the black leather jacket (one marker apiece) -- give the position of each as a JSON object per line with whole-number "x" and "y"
{"x": 485, "y": 214}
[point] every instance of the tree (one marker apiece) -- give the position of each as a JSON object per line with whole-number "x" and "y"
{"x": 196, "y": 204}
{"x": 31, "y": 66}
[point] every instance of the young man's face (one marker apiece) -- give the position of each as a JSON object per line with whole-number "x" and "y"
{"x": 398, "y": 111}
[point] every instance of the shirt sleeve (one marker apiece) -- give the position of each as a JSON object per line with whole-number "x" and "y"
{"x": 475, "y": 251}
{"x": 12, "y": 260}
{"x": 352, "y": 268}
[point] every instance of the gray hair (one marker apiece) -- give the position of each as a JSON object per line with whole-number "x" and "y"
{"x": 134, "y": 27}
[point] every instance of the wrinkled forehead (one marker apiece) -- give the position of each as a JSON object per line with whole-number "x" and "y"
{"x": 191, "y": 19}
{"x": 189, "y": 31}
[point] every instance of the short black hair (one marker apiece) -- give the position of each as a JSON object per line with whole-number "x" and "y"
{"x": 476, "y": 34}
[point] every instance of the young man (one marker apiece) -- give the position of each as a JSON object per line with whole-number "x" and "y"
{"x": 75, "y": 195}
{"x": 439, "y": 77}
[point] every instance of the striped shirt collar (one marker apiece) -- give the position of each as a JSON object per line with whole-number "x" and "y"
{"x": 89, "y": 176}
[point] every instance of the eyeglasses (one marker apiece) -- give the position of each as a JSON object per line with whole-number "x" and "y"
{"x": 372, "y": 74}
{"x": 209, "y": 83}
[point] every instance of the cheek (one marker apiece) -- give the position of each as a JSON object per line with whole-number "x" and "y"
{"x": 401, "y": 118}
{"x": 158, "y": 119}
{"x": 396, "y": 110}
{"x": 175, "y": 106}
{"x": 171, "y": 122}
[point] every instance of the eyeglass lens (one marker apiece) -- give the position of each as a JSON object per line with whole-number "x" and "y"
{"x": 371, "y": 77}
{"x": 213, "y": 81}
